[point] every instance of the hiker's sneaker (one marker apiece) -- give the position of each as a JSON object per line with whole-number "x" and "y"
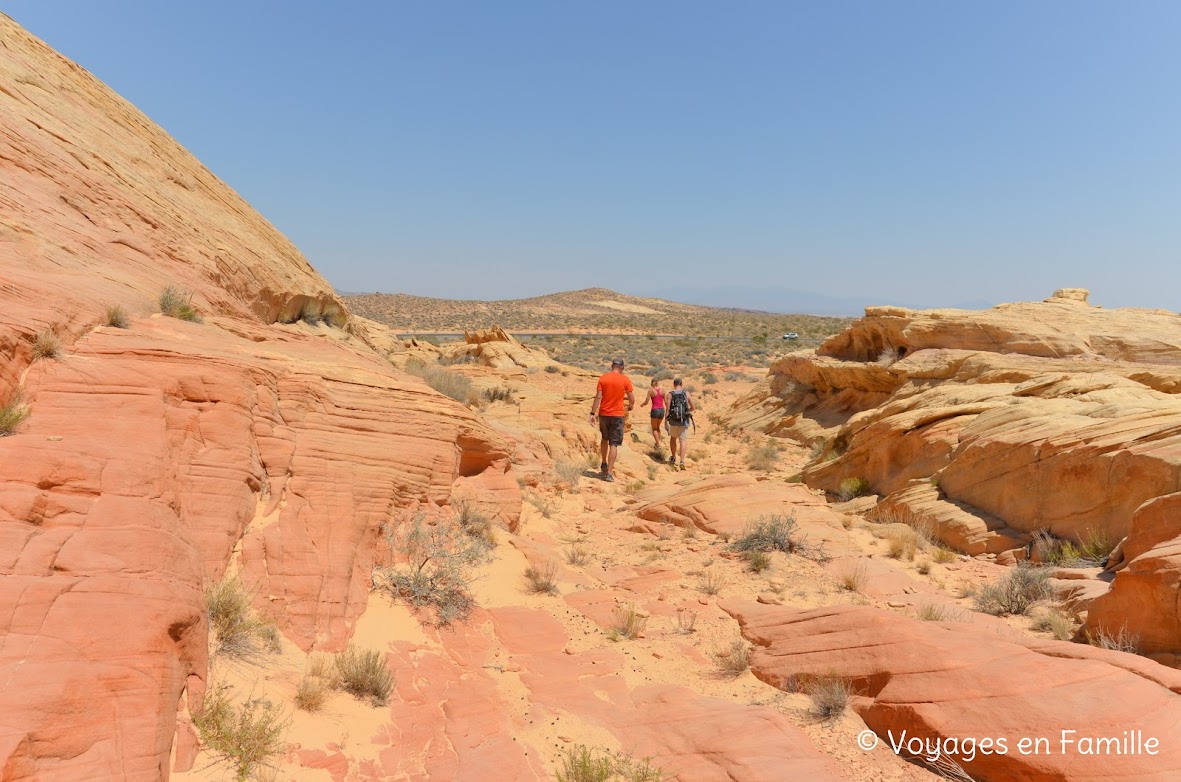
{"x": 681, "y": 466}
{"x": 609, "y": 478}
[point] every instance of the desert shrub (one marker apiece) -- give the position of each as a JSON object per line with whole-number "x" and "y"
{"x": 578, "y": 555}
{"x": 499, "y": 394}
{"x": 923, "y": 566}
{"x": 1122, "y": 641}
{"x": 1092, "y": 551}
{"x": 903, "y": 542}
{"x": 446, "y": 382}
{"x": 46, "y": 346}
{"x": 475, "y": 524}
{"x": 762, "y": 457}
{"x": 545, "y": 506}
{"x": 944, "y": 555}
{"x": 570, "y": 472}
{"x": 936, "y": 612}
{"x": 245, "y": 737}
{"x": 583, "y": 764}
{"x": 363, "y": 674}
{"x": 711, "y": 582}
{"x": 117, "y": 317}
{"x": 775, "y": 533}
{"x": 709, "y": 378}
{"x": 628, "y": 623}
{"x": 552, "y": 369}
{"x": 734, "y": 660}
{"x": 757, "y": 561}
{"x": 437, "y": 571}
{"x": 852, "y": 487}
{"x": 312, "y": 692}
{"x": 542, "y": 579}
{"x": 853, "y": 576}
{"x": 686, "y": 621}
{"x": 178, "y": 303}
{"x": 1055, "y": 622}
{"x": 237, "y": 630}
{"x": 13, "y": 414}
{"x": 1015, "y": 592}
{"x": 830, "y": 696}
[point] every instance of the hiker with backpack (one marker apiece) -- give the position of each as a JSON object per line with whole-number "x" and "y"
{"x": 656, "y": 397}
{"x": 613, "y": 401}
{"x": 680, "y": 416}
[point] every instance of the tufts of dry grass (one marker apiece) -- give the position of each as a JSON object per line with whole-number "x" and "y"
{"x": 686, "y": 621}
{"x": 245, "y": 736}
{"x": 830, "y": 696}
{"x": 117, "y": 317}
{"x": 542, "y": 579}
{"x": 853, "y": 576}
{"x": 46, "y": 346}
{"x": 734, "y": 660}
{"x": 12, "y": 414}
{"x": 711, "y": 582}
{"x": 1015, "y": 592}
{"x": 578, "y": 555}
{"x": 236, "y": 630}
{"x": 629, "y": 623}
{"x": 363, "y": 674}
{"x": 1055, "y": 622}
{"x": 178, "y": 303}
{"x": 1121, "y": 641}
{"x": 849, "y": 488}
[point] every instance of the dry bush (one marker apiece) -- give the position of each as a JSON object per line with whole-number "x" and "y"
{"x": 849, "y": 488}
{"x": 1015, "y": 592}
{"x": 446, "y": 382}
{"x": 545, "y": 506}
{"x": 363, "y": 674}
{"x": 944, "y": 555}
{"x": 1092, "y": 551}
{"x": 46, "y": 346}
{"x": 830, "y": 696}
{"x": 775, "y": 533}
{"x": 237, "y": 631}
{"x": 578, "y": 556}
{"x": 757, "y": 561}
{"x": 583, "y": 764}
{"x": 629, "y": 623}
{"x": 500, "y": 394}
{"x": 312, "y": 692}
{"x": 438, "y": 562}
{"x": 542, "y": 579}
{"x": 903, "y": 542}
{"x": 763, "y": 458}
{"x": 735, "y": 660}
{"x": 923, "y": 566}
{"x": 13, "y": 414}
{"x": 117, "y": 317}
{"x": 853, "y": 576}
{"x": 246, "y": 737}
{"x": 1122, "y": 641}
{"x": 936, "y": 612}
{"x": 475, "y": 524}
{"x": 686, "y": 621}
{"x": 1055, "y": 622}
{"x": 570, "y": 473}
{"x": 711, "y": 582}
{"x": 178, "y": 303}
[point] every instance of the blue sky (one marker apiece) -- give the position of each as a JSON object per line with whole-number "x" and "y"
{"x": 919, "y": 152}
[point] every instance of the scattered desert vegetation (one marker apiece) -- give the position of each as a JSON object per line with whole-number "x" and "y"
{"x": 629, "y": 623}
{"x": 686, "y": 621}
{"x": 245, "y": 736}
{"x": 436, "y": 566}
{"x": 852, "y": 487}
{"x": 570, "y": 473}
{"x": 1055, "y": 622}
{"x": 178, "y": 303}
{"x": 12, "y": 414}
{"x": 583, "y": 764}
{"x": 236, "y": 630}
{"x": 829, "y": 695}
{"x": 711, "y": 581}
{"x": 117, "y": 317}
{"x": 763, "y": 457}
{"x": 1121, "y": 641}
{"x": 363, "y": 674}
{"x": 735, "y": 659}
{"x": 853, "y": 576}
{"x": 578, "y": 555}
{"x": 448, "y": 383}
{"x": 1092, "y": 551}
{"x": 1016, "y": 592}
{"x": 46, "y": 346}
{"x": 542, "y": 579}
{"x": 775, "y": 533}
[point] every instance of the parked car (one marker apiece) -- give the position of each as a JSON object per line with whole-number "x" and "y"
{"x": 791, "y": 335}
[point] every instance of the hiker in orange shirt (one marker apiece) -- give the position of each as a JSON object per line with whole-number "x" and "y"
{"x": 613, "y": 389}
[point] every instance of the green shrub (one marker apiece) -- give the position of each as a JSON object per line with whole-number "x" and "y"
{"x": 244, "y": 736}
{"x": 178, "y": 303}
{"x": 363, "y": 674}
{"x": 117, "y": 317}
{"x": 438, "y": 558}
{"x": 852, "y": 487}
{"x": 13, "y": 414}
{"x": 1015, "y": 592}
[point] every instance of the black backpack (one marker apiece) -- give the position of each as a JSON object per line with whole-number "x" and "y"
{"x": 678, "y": 408}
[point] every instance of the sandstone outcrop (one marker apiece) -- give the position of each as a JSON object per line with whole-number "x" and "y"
{"x": 952, "y": 680}
{"x": 495, "y": 348}
{"x": 271, "y": 435}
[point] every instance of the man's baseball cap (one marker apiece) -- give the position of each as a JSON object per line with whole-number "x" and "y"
{"x": 617, "y": 362}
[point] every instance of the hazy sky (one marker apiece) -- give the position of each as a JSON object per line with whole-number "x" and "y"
{"x": 916, "y": 151}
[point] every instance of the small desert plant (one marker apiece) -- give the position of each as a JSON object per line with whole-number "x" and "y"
{"x": 499, "y": 394}
{"x": 923, "y": 566}
{"x": 475, "y": 524}
{"x": 1055, "y": 622}
{"x": 711, "y": 582}
{"x": 244, "y": 736}
{"x": 545, "y": 506}
{"x": 542, "y": 579}
{"x": 569, "y": 473}
{"x": 583, "y": 764}
{"x": 448, "y": 383}
{"x": 830, "y": 696}
{"x": 853, "y": 576}
{"x": 757, "y": 561}
{"x": 237, "y": 630}
{"x": 709, "y": 378}
{"x": 178, "y": 303}
{"x": 1015, "y": 592}
{"x": 1122, "y": 641}
{"x": 735, "y": 660}
{"x": 763, "y": 457}
{"x": 363, "y": 674}
{"x": 633, "y": 487}
{"x": 552, "y": 369}
{"x": 903, "y": 542}
{"x": 689, "y": 531}
{"x": 12, "y": 414}
{"x": 1092, "y": 551}
{"x": 578, "y": 556}
{"x": 312, "y": 692}
{"x": 117, "y": 317}
{"x": 686, "y": 621}
{"x": 944, "y": 555}
{"x": 46, "y": 346}
{"x": 629, "y": 623}
{"x": 439, "y": 558}
{"x": 849, "y": 488}
{"x": 774, "y": 533}
{"x": 932, "y": 612}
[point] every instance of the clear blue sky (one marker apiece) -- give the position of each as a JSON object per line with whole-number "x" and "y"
{"x": 914, "y": 151}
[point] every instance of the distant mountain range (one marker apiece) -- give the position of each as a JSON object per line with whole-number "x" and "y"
{"x": 789, "y": 300}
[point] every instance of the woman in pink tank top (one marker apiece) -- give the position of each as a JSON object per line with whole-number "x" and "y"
{"x": 656, "y": 398}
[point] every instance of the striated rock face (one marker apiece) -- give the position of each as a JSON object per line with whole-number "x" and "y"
{"x": 991, "y": 426}
{"x": 496, "y": 348}
{"x": 156, "y": 456}
{"x": 952, "y": 680}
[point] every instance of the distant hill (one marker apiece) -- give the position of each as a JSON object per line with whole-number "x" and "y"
{"x": 786, "y": 300}
{"x": 590, "y": 309}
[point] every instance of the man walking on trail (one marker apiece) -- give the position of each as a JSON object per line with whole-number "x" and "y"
{"x": 613, "y": 389}
{"x": 680, "y": 415}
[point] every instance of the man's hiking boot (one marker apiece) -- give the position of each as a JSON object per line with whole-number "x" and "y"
{"x": 608, "y": 477}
